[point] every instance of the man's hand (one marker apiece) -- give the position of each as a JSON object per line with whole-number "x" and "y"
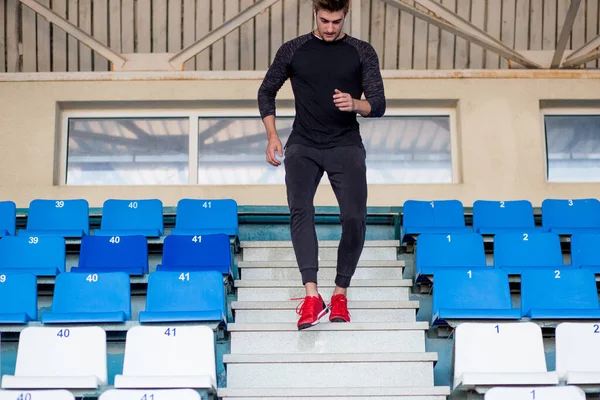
{"x": 274, "y": 145}
{"x": 344, "y": 101}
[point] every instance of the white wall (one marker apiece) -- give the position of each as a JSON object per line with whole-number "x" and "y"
{"x": 500, "y": 137}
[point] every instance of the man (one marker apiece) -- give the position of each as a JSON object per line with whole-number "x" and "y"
{"x": 329, "y": 72}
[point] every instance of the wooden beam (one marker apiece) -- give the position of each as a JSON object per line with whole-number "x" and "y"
{"x": 459, "y": 22}
{"x": 484, "y": 40}
{"x": 586, "y": 48}
{"x": 563, "y": 39}
{"x": 180, "y": 58}
{"x": 591, "y": 56}
{"x": 74, "y": 31}
{"x": 356, "y": 17}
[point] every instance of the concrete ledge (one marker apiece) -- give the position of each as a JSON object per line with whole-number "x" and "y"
{"x": 322, "y": 263}
{"x": 336, "y": 392}
{"x": 381, "y": 326}
{"x": 322, "y": 243}
{"x": 352, "y": 305}
{"x": 294, "y": 284}
{"x": 328, "y": 358}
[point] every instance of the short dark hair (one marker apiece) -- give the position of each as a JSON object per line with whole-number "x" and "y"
{"x": 332, "y": 5}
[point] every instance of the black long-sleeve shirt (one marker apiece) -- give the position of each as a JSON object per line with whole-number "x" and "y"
{"x": 316, "y": 68}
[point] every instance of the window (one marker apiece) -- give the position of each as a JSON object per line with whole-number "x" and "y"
{"x": 149, "y": 148}
{"x": 572, "y": 145}
{"x": 127, "y": 151}
{"x": 231, "y": 151}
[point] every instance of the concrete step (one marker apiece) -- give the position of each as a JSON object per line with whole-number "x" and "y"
{"x": 288, "y": 270}
{"x": 283, "y": 250}
{"x": 322, "y": 263}
{"x": 337, "y": 393}
{"x": 360, "y": 311}
{"x": 360, "y": 290}
{"x": 320, "y": 370}
{"x": 328, "y": 337}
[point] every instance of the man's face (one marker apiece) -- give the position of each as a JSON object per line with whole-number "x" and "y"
{"x": 330, "y": 24}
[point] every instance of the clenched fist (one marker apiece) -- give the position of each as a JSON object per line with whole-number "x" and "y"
{"x": 344, "y": 101}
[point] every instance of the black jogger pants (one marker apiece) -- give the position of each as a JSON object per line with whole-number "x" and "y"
{"x": 347, "y": 173}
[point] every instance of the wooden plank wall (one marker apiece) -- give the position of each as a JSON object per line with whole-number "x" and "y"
{"x": 29, "y": 44}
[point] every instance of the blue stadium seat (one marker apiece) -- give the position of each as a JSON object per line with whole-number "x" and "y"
{"x": 185, "y": 297}
{"x": 492, "y": 217}
{"x": 438, "y": 251}
{"x": 515, "y": 252}
{"x": 90, "y": 298}
{"x": 203, "y": 217}
{"x": 196, "y": 253}
{"x": 18, "y": 298}
{"x": 131, "y": 217}
{"x": 8, "y": 218}
{"x": 478, "y": 293}
{"x": 41, "y": 256}
{"x": 127, "y": 254}
{"x": 67, "y": 218}
{"x": 559, "y": 294}
{"x": 566, "y": 217}
{"x": 585, "y": 251}
{"x": 440, "y": 216}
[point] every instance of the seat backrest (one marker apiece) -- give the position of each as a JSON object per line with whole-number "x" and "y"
{"x": 503, "y": 214}
{"x": 479, "y": 288}
{"x": 453, "y": 250}
{"x": 94, "y": 292}
{"x": 539, "y": 393}
{"x": 8, "y": 217}
{"x": 566, "y": 213}
{"x": 577, "y": 347}
{"x": 558, "y": 289}
{"x": 52, "y": 394}
{"x": 185, "y": 291}
{"x": 18, "y": 294}
{"x": 147, "y": 394}
{"x": 497, "y": 348}
{"x": 585, "y": 249}
{"x": 118, "y": 214}
{"x": 113, "y": 251}
{"x": 197, "y": 251}
{"x": 170, "y": 351}
{"x": 70, "y": 352}
{"x": 33, "y": 252}
{"x": 436, "y": 213}
{"x": 527, "y": 250}
{"x": 58, "y": 215}
{"x": 207, "y": 216}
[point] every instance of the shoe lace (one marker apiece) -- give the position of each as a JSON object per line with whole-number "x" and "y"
{"x": 307, "y": 304}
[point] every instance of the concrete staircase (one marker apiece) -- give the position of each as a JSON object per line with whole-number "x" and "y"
{"x": 379, "y": 355}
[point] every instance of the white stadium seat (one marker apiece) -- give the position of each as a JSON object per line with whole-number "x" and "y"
{"x": 36, "y": 395}
{"x": 160, "y": 394}
{"x": 59, "y": 358}
{"x": 169, "y": 357}
{"x": 535, "y": 393}
{"x": 578, "y": 352}
{"x": 490, "y": 354}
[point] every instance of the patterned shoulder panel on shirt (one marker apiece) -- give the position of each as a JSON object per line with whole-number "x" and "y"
{"x": 277, "y": 74}
{"x": 371, "y": 76}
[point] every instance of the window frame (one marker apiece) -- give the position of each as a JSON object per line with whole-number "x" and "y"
{"x": 194, "y": 115}
{"x": 562, "y": 111}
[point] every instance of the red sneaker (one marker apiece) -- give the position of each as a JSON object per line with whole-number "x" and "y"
{"x": 339, "y": 309}
{"x": 311, "y": 310}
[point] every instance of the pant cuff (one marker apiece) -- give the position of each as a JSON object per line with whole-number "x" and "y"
{"x": 308, "y": 275}
{"x": 342, "y": 281}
